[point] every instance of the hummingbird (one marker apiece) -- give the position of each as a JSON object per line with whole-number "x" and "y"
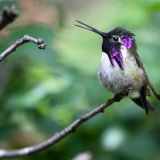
{"x": 121, "y": 68}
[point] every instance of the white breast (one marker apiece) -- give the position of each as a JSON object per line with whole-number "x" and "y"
{"x": 116, "y": 80}
{"x": 110, "y": 76}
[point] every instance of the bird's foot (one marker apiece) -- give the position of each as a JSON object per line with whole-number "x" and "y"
{"x": 118, "y": 96}
{"x": 123, "y": 94}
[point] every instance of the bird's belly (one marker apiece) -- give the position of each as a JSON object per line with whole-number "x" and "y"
{"x": 117, "y": 80}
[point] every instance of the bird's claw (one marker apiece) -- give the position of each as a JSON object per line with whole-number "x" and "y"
{"x": 123, "y": 94}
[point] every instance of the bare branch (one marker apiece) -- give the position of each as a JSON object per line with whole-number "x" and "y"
{"x": 62, "y": 134}
{"x": 25, "y": 39}
{"x": 8, "y": 16}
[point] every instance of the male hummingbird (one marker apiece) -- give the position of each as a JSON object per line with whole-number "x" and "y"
{"x": 121, "y": 68}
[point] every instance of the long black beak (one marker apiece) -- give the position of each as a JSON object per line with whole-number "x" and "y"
{"x": 87, "y": 27}
{"x": 113, "y": 55}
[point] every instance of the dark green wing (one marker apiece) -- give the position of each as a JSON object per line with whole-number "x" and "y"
{"x": 149, "y": 83}
{"x": 142, "y": 101}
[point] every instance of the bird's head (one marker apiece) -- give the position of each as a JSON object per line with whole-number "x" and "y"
{"x": 113, "y": 41}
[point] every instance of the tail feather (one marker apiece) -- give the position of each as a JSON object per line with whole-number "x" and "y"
{"x": 142, "y": 101}
{"x": 144, "y": 104}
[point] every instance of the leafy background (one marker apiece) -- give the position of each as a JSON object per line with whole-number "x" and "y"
{"x": 41, "y": 92}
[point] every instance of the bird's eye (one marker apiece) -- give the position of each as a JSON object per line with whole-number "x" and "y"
{"x": 115, "y": 38}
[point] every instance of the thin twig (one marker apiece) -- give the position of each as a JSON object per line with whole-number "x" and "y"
{"x": 25, "y": 39}
{"x": 59, "y": 136}
{"x": 8, "y": 16}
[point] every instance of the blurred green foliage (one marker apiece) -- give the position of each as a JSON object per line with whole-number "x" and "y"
{"x": 42, "y": 91}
